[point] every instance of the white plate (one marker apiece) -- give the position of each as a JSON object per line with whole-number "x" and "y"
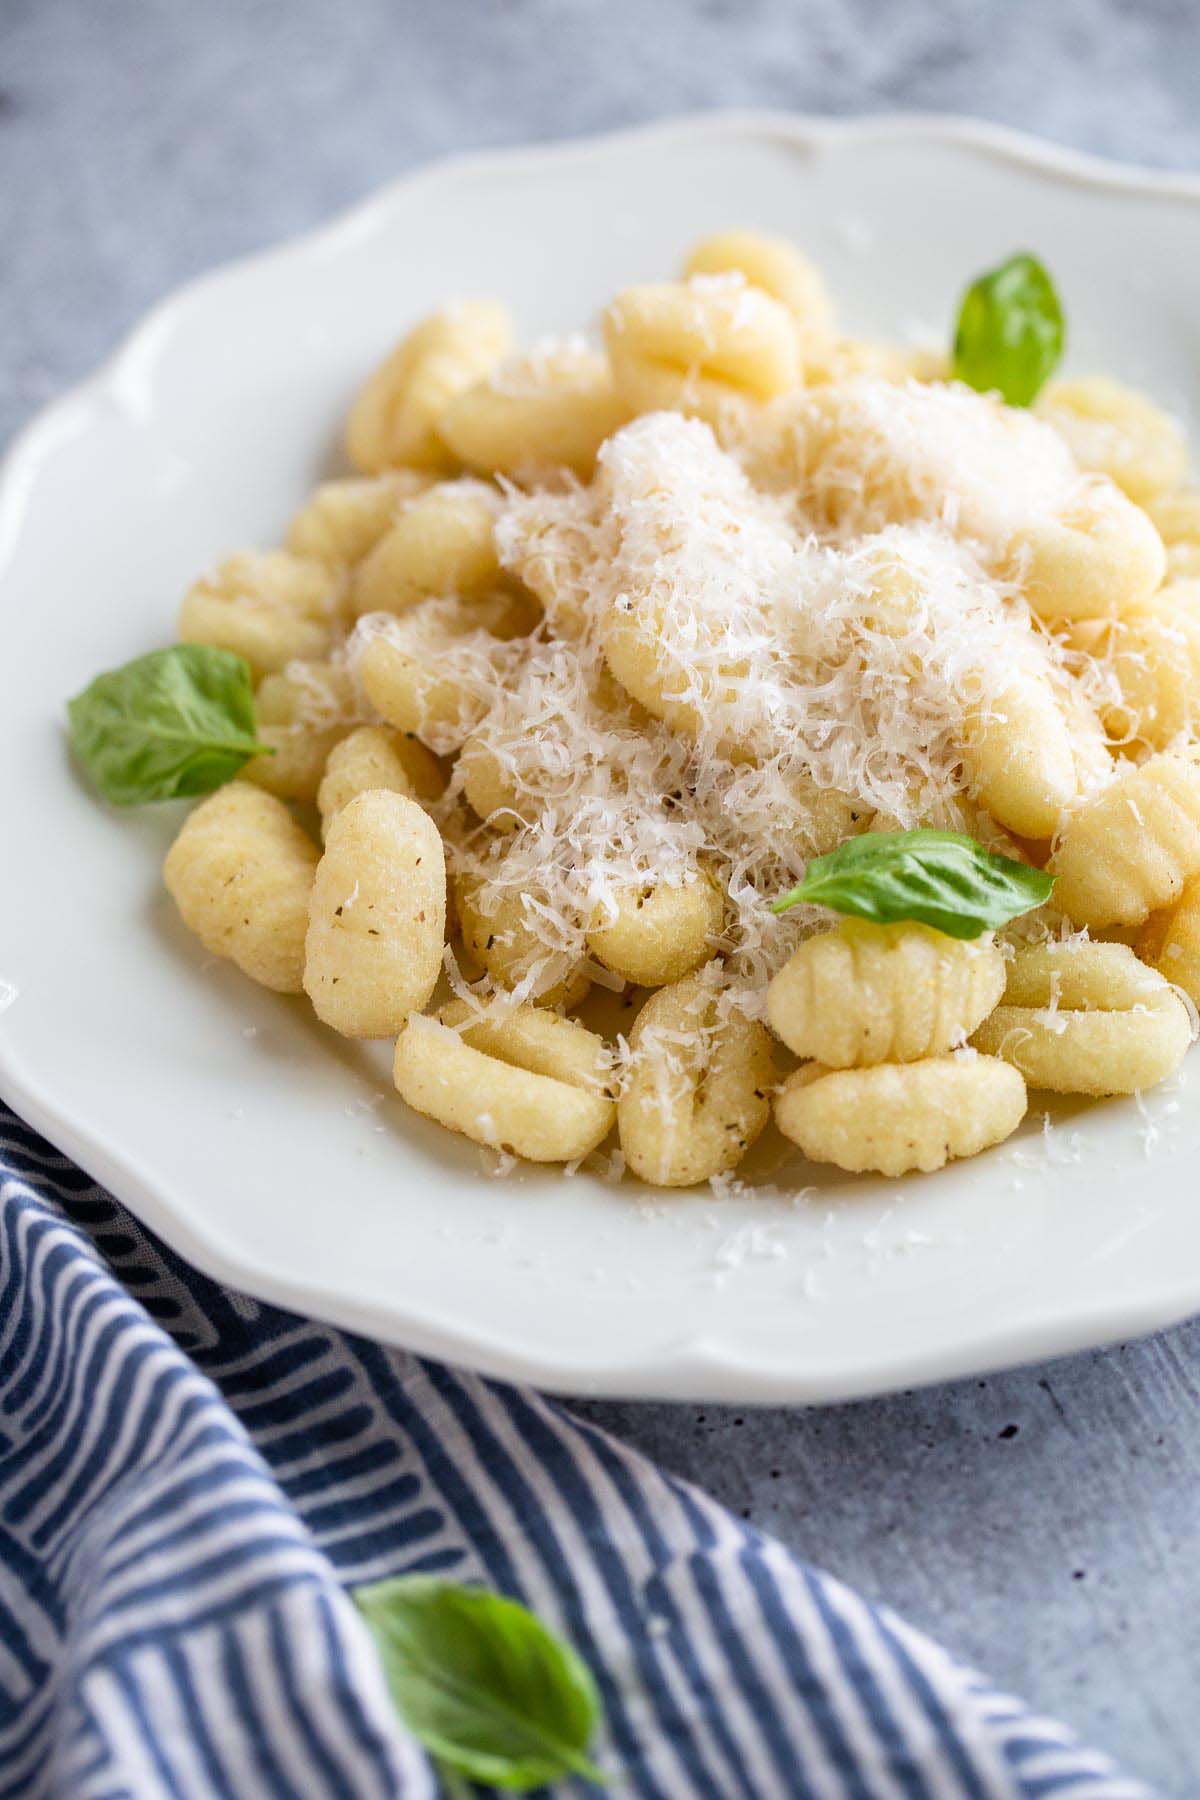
{"x": 273, "y": 1153}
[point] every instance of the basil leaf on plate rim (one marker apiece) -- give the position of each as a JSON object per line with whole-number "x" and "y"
{"x": 170, "y": 725}
{"x": 481, "y": 1682}
{"x": 938, "y": 878}
{"x": 1011, "y": 331}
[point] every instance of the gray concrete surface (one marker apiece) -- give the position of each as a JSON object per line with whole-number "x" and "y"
{"x": 1045, "y": 1523}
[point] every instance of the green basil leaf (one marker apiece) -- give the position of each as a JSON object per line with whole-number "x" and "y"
{"x": 481, "y": 1682}
{"x": 940, "y": 878}
{"x": 177, "y": 722}
{"x": 1011, "y": 331}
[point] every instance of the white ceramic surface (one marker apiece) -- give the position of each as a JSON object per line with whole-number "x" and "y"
{"x": 273, "y": 1154}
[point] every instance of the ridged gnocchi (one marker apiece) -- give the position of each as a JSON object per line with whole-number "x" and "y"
{"x": 900, "y": 1118}
{"x": 1132, "y": 848}
{"x": 696, "y": 1093}
{"x": 241, "y": 873}
{"x": 514, "y": 1086}
{"x": 373, "y": 757}
{"x": 269, "y": 606}
{"x": 605, "y": 656}
{"x": 442, "y": 543}
{"x": 864, "y": 993}
{"x": 779, "y": 269}
{"x": 394, "y": 420}
{"x": 498, "y": 936}
{"x": 699, "y": 346}
{"x": 1115, "y": 431}
{"x": 1100, "y": 558}
{"x": 550, "y": 410}
{"x": 303, "y": 712}
{"x": 341, "y": 520}
{"x": 1086, "y": 1018}
{"x": 1170, "y": 941}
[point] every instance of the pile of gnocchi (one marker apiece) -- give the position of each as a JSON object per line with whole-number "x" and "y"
{"x": 607, "y": 643}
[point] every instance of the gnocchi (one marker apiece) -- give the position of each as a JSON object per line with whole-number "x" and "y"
{"x": 656, "y": 935}
{"x": 1115, "y": 431}
{"x": 1086, "y": 1018}
{"x": 1132, "y": 848}
{"x": 550, "y": 410}
{"x": 343, "y": 519}
{"x": 372, "y": 757}
{"x": 602, "y": 656}
{"x": 241, "y": 873}
{"x": 511, "y": 1089}
{"x": 304, "y": 711}
{"x": 700, "y": 346}
{"x": 864, "y": 994}
{"x": 271, "y": 607}
{"x": 696, "y": 1093}
{"x": 394, "y": 420}
{"x": 898, "y": 1118}
{"x": 442, "y": 543}
{"x": 377, "y": 916}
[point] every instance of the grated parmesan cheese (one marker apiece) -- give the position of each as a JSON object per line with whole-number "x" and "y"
{"x": 794, "y": 663}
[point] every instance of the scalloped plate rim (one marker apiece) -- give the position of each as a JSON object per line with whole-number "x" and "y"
{"x": 696, "y": 1368}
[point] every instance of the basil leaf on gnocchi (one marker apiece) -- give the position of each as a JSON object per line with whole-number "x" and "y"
{"x": 939, "y": 878}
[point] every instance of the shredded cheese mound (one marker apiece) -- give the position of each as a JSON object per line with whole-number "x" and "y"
{"x": 865, "y": 453}
{"x": 781, "y": 685}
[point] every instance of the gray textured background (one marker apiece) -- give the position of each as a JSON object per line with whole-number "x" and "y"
{"x": 1045, "y": 1524}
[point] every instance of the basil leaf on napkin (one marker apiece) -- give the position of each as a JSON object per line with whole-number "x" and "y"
{"x": 175, "y": 723}
{"x": 481, "y": 1682}
{"x": 1010, "y": 331}
{"x": 940, "y": 878}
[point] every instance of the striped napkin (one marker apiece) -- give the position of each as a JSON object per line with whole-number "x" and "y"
{"x": 189, "y": 1481}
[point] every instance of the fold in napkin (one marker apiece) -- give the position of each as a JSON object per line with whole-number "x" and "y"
{"x": 189, "y": 1481}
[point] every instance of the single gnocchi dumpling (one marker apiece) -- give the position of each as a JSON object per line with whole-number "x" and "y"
{"x": 1115, "y": 431}
{"x": 1099, "y": 558}
{"x": 899, "y": 1118}
{"x": 1132, "y": 848}
{"x": 1176, "y": 516}
{"x": 442, "y": 543}
{"x": 1170, "y": 941}
{"x": 697, "y": 1089}
{"x": 822, "y": 818}
{"x": 342, "y": 520}
{"x": 377, "y": 917}
{"x": 864, "y": 993}
{"x": 374, "y": 757}
{"x": 419, "y": 673}
{"x": 655, "y": 934}
{"x": 394, "y": 419}
{"x": 302, "y": 712}
{"x": 492, "y": 791}
{"x": 1029, "y": 755}
{"x": 549, "y": 409}
{"x": 498, "y": 935}
{"x": 269, "y": 606}
{"x": 529, "y": 1084}
{"x": 1154, "y": 659}
{"x": 779, "y": 269}
{"x": 707, "y": 346}
{"x": 1086, "y": 1018}
{"x": 241, "y": 872}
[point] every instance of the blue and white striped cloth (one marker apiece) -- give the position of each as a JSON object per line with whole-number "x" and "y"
{"x": 189, "y": 1481}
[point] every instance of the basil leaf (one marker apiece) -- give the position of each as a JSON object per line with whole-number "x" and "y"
{"x": 174, "y": 723}
{"x": 940, "y": 878}
{"x": 481, "y": 1682}
{"x": 1011, "y": 331}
